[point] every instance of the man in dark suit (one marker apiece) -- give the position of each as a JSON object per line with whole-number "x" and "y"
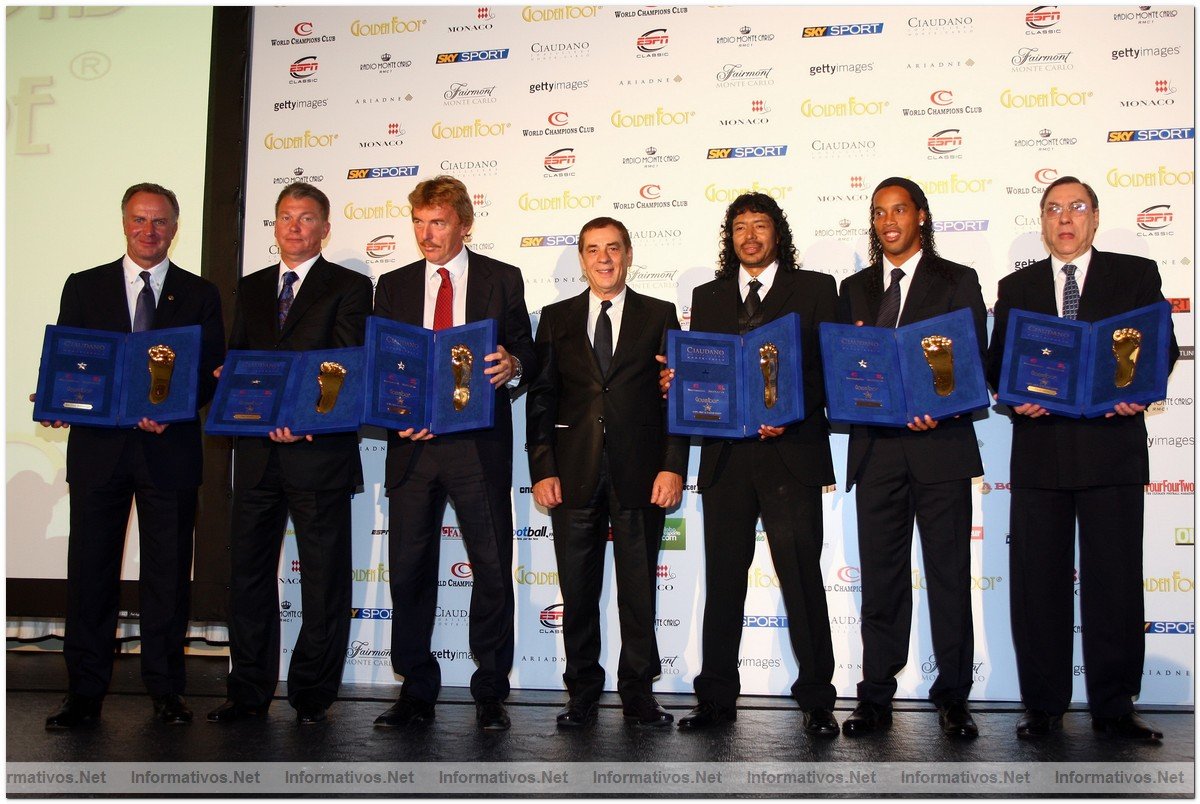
{"x": 922, "y": 472}
{"x": 158, "y": 465}
{"x": 599, "y": 453}
{"x": 778, "y": 476}
{"x": 1088, "y": 471}
{"x": 454, "y": 286}
{"x": 303, "y": 303}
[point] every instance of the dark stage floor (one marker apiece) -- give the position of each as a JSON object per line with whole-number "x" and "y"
{"x": 768, "y": 729}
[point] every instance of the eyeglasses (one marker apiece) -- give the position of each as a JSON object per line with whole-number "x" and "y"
{"x": 1076, "y": 208}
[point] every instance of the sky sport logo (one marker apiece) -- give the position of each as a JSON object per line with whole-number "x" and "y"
{"x": 843, "y": 29}
{"x": 392, "y": 172}
{"x": 464, "y": 56}
{"x": 747, "y": 152}
{"x": 1171, "y": 628}
{"x": 764, "y": 621}
{"x": 552, "y": 241}
{"x": 1152, "y": 135}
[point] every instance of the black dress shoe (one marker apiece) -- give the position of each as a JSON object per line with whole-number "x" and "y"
{"x": 645, "y": 713}
{"x": 956, "y": 720}
{"x": 708, "y": 714}
{"x": 1129, "y": 725}
{"x": 408, "y": 711}
{"x": 491, "y": 716}
{"x": 820, "y": 723}
{"x": 230, "y": 711}
{"x": 866, "y": 718}
{"x": 308, "y": 713}
{"x": 577, "y": 714}
{"x": 76, "y": 711}
{"x": 171, "y": 709}
{"x": 1037, "y": 723}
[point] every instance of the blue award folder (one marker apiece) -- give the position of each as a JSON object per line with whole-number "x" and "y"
{"x": 885, "y": 377}
{"x": 114, "y": 379}
{"x": 725, "y": 386}
{"x": 314, "y": 392}
{"x": 1082, "y": 369}
{"x": 429, "y": 380}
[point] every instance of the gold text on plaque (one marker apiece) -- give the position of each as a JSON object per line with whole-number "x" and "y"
{"x": 330, "y": 381}
{"x": 461, "y": 360}
{"x": 161, "y": 366}
{"x": 939, "y": 354}
{"x": 768, "y": 361}
{"x": 1127, "y": 345}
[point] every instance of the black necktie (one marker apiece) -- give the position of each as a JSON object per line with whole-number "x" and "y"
{"x": 143, "y": 311}
{"x": 889, "y": 308}
{"x": 286, "y": 296}
{"x": 752, "y": 299}
{"x": 602, "y": 341}
{"x": 1070, "y": 307}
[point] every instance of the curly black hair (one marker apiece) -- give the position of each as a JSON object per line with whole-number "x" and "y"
{"x": 922, "y": 203}
{"x": 728, "y": 262}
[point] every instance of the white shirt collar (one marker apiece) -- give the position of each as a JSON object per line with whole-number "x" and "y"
{"x": 457, "y": 266}
{"x": 133, "y": 271}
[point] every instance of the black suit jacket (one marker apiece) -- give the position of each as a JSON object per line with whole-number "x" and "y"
{"x": 938, "y": 286}
{"x": 574, "y": 412}
{"x": 95, "y": 299}
{"x": 494, "y": 290}
{"x": 803, "y": 449}
{"x": 1058, "y": 452}
{"x": 329, "y": 312}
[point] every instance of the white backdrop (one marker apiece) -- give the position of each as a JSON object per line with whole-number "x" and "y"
{"x": 662, "y": 115}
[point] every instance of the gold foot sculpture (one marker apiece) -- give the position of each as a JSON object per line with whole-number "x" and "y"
{"x": 462, "y": 360}
{"x": 939, "y": 354}
{"x": 330, "y": 381}
{"x": 161, "y": 366}
{"x": 1127, "y": 344}
{"x": 768, "y": 361}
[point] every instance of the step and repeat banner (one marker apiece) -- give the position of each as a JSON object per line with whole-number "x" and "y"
{"x": 661, "y": 116}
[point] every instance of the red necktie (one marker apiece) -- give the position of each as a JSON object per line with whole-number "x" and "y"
{"x": 443, "y": 310}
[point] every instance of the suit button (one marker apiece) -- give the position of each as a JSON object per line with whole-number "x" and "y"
{"x": 606, "y": 389}
{"x": 601, "y": 420}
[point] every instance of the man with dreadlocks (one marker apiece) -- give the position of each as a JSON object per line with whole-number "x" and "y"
{"x": 778, "y": 475}
{"x": 923, "y": 471}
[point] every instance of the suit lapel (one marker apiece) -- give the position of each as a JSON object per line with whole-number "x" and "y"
{"x": 727, "y": 302}
{"x": 311, "y": 289}
{"x": 922, "y": 283}
{"x": 169, "y": 299}
{"x": 778, "y": 296}
{"x": 1098, "y": 287}
{"x": 872, "y": 293}
{"x": 1043, "y": 298}
{"x": 113, "y": 297}
{"x": 479, "y": 288}
{"x": 576, "y": 323}
{"x": 633, "y": 321}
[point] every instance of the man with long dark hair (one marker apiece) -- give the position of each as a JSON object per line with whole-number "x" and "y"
{"x": 777, "y": 475}
{"x": 923, "y": 472}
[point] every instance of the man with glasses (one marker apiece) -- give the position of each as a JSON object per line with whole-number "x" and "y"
{"x": 1066, "y": 471}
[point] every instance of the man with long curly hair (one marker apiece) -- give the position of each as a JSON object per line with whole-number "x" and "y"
{"x": 922, "y": 472}
{"x": 777, "y": 475}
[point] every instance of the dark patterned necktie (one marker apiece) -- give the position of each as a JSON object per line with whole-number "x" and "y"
{"x": 143, "y": 311}
{"x": 286, "y": 296}
{"x": 753, "y": 300}
{"x": 889, "y": 308}
{"x": 602, "y": 340}
{"x": 1070, "y": 307}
